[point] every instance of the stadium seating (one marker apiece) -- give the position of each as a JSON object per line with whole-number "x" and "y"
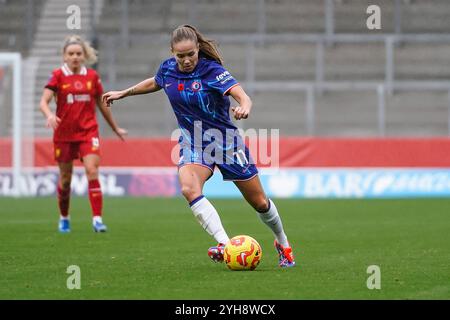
{"x": 13, "y": 25}
{"x": 282, "y": 16}
{"x": 338, "y": 113}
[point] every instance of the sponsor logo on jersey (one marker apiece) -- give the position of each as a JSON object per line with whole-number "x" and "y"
{"x": 71, "y": 98}
{"x": 226, "y": 80}
{"x": 82, "y": 97}
{"x": 222, "y": 76}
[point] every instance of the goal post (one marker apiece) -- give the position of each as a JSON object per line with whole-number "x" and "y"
{"x": 13, "y": 61}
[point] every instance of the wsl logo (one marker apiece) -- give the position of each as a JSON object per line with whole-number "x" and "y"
{"x": 196, "y": 86}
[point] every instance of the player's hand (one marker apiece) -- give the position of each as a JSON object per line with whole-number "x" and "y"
{"x": 53, "y": 121}
{"x": 121, "y": 133}
{"x": 110, "y": 96}
{"x": 240, "y": 112}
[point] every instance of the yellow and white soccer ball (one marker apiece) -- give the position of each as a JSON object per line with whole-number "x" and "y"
{"x": 242, "y": 253}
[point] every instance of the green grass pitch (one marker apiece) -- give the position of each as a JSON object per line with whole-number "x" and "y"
{"x": 155, "y": 249}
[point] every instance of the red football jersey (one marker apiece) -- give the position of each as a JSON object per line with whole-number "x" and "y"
{"x": 76, "y": 96}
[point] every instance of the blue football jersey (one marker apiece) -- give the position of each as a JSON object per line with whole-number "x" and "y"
{"x": 200, "y": 95}
{"x": 201, "y": 105}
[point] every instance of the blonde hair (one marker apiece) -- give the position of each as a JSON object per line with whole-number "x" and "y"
{"x": 89, "y": 52}
{"x": 207, "y": 47}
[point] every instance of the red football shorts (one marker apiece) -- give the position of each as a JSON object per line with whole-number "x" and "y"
{"x": 68, "y": 151}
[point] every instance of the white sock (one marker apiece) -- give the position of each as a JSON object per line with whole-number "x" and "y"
{"x": 97, "y": 219}
{"x": 272, "y": 219}
{"x": 64, "y": 218}
{"x": 209, "y": 219}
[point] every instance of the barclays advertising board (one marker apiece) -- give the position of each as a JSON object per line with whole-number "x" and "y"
{"x": 344, "y": 183}
{"x": 282, "y": 183}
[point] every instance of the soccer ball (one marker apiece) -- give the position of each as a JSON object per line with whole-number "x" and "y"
{"x": 242, "y": 253}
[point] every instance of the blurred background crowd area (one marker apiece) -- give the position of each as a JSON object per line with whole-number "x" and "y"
{"x": 312, "y": 67}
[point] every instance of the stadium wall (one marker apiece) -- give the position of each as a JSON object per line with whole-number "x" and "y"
{"x": 308, "y": 167}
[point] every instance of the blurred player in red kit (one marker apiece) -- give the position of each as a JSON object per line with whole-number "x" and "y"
{"x": 77, "y": 90}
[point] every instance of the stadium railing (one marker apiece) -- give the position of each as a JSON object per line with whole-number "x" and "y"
{"x": 311, "y": 88}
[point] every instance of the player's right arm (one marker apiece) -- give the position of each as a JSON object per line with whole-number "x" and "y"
{"x": 147, "y": 86}
{"x": 52, "y": 120}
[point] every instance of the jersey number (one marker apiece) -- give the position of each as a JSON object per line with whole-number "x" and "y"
{"x": 95, "y": 142}
{"x": 241, "y": 158}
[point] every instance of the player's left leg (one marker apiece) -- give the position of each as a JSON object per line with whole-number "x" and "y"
{"x": 253, "y": 192}
{"x": 91, "y": 164}
{"x": 64, "y": 154}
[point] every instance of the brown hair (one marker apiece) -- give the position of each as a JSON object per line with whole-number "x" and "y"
{"x": 89, "y": 52}
{"x": 207, "y": 47}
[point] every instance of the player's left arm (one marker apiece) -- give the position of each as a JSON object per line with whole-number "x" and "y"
{"x": 107, "y": 114}
{"x": 245, "y": 103}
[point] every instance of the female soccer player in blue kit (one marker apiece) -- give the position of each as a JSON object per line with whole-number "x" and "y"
{"x": 198, "y": 86}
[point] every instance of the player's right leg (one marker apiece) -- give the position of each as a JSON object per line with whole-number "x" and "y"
{"x": 63, "y": 192}
{"x": 65, "y": 153}
{"x": 192, "y": 178}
